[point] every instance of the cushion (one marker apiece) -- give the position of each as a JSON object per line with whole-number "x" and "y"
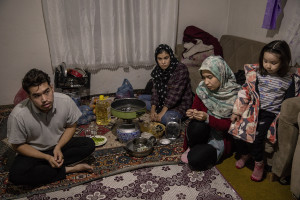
{"x": 197, "y": 59}
{"x": 239, "y": 51}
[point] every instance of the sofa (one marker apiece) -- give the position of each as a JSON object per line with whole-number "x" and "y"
{"x": 286, "y": 159}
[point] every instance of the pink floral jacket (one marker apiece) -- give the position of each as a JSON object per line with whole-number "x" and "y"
{"x": 247, "y": 106}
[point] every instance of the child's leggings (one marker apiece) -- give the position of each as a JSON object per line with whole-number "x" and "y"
{"x": 257, "y": 148}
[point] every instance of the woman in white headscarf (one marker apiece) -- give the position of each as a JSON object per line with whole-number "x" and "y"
{"x": 210, "y": 114}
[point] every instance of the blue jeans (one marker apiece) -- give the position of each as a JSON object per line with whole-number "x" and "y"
{"x": 147, "y": 99}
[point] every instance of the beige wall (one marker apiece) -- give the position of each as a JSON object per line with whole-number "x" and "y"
{"x": 208, "y": 15}
{"x": 23, "y": 40}
{"x": 23, "y": 44}
{"x": 246, "y": 18}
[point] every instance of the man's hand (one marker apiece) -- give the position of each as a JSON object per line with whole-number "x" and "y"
{"x": 235, "y": 118}
{"x": 52, "y": 161}
{"x": 27, "y": 150}
{"x": 58, "y": 155}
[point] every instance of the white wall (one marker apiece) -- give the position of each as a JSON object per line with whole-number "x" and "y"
{"x": 208, "y": 15}
{"x": 23, "y": 40}
{"x": 23, "y": 44}
{"x": 246, "y": 18}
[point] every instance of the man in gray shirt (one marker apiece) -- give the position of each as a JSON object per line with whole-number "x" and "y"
{"x": 41, "y": 130}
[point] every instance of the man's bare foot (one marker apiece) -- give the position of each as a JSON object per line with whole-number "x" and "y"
{"x": 79, "y": 167}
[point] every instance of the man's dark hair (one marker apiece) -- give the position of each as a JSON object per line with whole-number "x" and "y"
{"x": 34, "y": 77}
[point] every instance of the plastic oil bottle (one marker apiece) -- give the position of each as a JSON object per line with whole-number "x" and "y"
{"x": 103, "y": 115}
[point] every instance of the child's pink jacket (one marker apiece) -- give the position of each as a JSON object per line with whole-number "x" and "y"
{"x": 247, "y": 106}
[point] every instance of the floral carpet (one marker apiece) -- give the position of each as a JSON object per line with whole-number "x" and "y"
{"x": 175, "y": 182}
{"x": 118, "y": 176}
{"x": 106, "y": 162}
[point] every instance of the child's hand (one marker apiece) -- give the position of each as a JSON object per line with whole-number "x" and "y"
{"x": 235, "y": 118}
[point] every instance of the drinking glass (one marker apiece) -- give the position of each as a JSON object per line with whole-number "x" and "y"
{"x": 87, "y": 132}
{"x": 93, "y": 129}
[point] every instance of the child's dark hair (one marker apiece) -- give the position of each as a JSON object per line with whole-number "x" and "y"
{"x": 34, "y": 77}
{"x": 282, "y": 49}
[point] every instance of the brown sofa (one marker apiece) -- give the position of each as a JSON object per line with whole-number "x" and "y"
{"x": 286, "y": 159}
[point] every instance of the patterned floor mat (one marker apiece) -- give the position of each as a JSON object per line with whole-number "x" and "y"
{"x": 160, "y": 182}
{"x": 106, "y": 162}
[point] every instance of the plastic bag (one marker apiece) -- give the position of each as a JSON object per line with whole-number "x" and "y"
{"x": 87, "y": 115}
{"x": 125, "y": 91}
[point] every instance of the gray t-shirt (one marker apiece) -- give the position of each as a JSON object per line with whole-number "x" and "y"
{"x": 27, "y": 124}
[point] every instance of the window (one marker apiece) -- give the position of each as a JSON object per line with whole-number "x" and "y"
{"x": 107, "y": 34}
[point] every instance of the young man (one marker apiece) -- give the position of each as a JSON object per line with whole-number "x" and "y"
{"x": 41, "y": 130}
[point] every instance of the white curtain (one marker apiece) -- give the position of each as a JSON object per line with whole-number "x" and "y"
{"x": 107, "y": 34}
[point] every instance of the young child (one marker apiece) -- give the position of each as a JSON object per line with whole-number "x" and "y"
{"x": 258, "y": 104}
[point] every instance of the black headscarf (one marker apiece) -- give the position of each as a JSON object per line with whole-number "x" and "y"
{"x": 161, "y": 77}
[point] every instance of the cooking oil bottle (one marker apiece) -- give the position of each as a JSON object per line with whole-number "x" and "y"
{"x": 103, "y": 115}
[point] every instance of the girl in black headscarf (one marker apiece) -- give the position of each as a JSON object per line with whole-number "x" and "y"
{"x": 171, "y": 93}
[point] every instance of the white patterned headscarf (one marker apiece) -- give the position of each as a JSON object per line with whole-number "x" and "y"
{"x": 219, "y": 103}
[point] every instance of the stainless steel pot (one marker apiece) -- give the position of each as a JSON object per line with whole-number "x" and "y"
{"x": 128, "y": 108}
{"x": 140, "y": 147}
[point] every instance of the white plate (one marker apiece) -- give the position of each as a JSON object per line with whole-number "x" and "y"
{"x": 99, "y": 143}
{"x": 165, "y": 141}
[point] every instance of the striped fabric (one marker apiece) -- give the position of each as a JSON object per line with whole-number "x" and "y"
{"x": 272, "y": 89}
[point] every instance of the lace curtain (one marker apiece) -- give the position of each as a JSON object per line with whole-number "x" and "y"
{"x": 107, "y": 34}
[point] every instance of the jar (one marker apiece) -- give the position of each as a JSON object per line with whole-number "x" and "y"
{"x": 173, "y": 127}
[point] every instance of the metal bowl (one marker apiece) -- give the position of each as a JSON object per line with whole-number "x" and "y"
{"x": 140, "y": 147}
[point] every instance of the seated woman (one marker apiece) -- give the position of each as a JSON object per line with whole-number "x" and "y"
{"x": 210, "y": 114}
{"x": 171, "y": 93}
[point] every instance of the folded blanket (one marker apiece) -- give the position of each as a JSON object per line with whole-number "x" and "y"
{"x": 192, "y": 49}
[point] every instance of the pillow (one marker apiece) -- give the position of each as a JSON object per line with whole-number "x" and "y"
{"x": 197, "y": 59}
{"x": 194, "y": 54}
{"x": 20, "y": 96}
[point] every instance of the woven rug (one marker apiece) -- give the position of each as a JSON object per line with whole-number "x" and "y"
{"x": 161, "y": 182}
{"x": 106, "y": 162}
